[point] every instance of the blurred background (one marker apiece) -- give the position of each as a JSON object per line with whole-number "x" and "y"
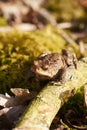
{"x": 41, "y": 12}
{"x": 29, "y": 28}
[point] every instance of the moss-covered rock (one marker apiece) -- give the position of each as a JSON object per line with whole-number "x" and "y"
{"x": 18, "y": 50}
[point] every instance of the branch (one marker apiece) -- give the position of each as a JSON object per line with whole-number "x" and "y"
{"x": 44, "y": 107}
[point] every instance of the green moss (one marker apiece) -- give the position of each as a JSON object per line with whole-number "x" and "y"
{"x": 2, "y": 22}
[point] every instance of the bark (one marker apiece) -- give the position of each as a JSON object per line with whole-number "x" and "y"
{"x": 42, "y": 110}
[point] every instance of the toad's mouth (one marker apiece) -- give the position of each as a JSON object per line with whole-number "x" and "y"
{"x": 45, "y": 74}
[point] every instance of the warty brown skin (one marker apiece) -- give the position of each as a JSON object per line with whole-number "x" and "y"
{"x": 52, "y": 66}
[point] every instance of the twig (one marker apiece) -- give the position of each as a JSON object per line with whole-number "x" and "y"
{"x": 67, "y": 38}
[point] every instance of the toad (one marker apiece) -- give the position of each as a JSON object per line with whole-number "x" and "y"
{"x": 51, "y": 66}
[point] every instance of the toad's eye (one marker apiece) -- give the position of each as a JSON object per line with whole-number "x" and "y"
{"x": 69, "y": 61}
{"x": 45, "y": 67}
{"x": 44, "y": 55}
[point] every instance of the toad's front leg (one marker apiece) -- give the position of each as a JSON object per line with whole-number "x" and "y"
{"x": 64, "y": 75}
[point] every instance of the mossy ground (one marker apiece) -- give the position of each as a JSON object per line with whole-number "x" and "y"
{"x": 18, "y": 50}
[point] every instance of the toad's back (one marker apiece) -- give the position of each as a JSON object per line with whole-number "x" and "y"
{"x": 48, "y": 66}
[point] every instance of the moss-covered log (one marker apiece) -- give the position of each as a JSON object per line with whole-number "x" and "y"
{"x": 45, "y": 106}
